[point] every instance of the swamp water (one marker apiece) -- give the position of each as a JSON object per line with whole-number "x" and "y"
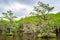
{"x": 18, "y": 38}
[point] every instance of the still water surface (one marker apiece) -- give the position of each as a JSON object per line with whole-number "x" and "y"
{"x": 16, "y": 38}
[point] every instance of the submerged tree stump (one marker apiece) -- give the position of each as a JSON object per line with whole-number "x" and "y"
{"x": 28, "y": 34}
{"x": 57, "y": 31}
{"x": 1, "y": 38}
{"x": 1, "y": 35}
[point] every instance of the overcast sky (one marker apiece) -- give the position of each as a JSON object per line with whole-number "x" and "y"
{"x": 22, "y": 8}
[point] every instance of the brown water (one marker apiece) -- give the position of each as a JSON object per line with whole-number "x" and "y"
{"x": 19, "y": 38}
{"x": 47, "y": 39}
{"x": 11, "y": 38}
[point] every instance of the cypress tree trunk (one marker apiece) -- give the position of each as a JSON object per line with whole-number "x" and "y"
{"x": 0, "y": 36}
{"x": 57, "y": 33}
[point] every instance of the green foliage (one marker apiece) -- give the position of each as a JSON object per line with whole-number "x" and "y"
{"x": 45, "y": 6}
{"x": 10, "y": 17}
{"x": 47, "y": 30}
{"x": 33, "y": 19}
{"x": 42, "y": 13}
{"x": 42, "y": 22}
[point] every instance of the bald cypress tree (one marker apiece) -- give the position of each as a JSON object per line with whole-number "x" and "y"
{"x": 42, "y": 13}
{"x": 9, "y": 16}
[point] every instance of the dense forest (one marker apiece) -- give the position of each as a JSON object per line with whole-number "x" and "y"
{"x": 42, "y": 23}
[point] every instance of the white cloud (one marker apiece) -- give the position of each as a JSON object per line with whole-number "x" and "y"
{"x": 17, "y": 6}
{"x": 23, "y": 8}
{"x": 19, "y": 9}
